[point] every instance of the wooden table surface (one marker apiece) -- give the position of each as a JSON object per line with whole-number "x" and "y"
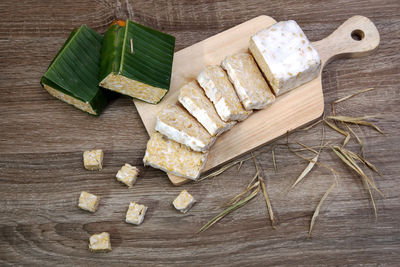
{"x": 42, "y": 140}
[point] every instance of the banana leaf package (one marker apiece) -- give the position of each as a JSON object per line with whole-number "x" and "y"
{"x": 73, "y": 75}
{"x": 137, "y": 61}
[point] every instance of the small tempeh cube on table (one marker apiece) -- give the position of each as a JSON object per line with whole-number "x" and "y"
{"x": 93, "y": 159}
{"x": 88, "y": 201}
{"x": 100, "y": 242}
{"x": 184, "y": 201}
{"x": 127, "y": 174}
{"x": 135, "y": 213}
{"x": 285, "y": 56}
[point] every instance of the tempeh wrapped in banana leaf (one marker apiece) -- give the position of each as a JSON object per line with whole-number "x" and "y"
{"x": 137, "y": 61}
{"x": 73, "y": 75}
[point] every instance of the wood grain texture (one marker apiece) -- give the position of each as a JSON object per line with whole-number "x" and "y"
{"x": 290, "y": 111}
{"x": 42, "y": 139}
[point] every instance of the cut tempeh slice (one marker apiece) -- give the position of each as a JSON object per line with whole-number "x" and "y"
{"x": 174, "y": 158}
{"x": 192, "y": 97}
{"x": 178, "y": 125}
{"x": 251, "y": 88}
{"x": 220, "y": 91}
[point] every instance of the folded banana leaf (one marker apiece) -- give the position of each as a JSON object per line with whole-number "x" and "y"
{"x": 73, "y": 75}
{"x": 137, "y": 61}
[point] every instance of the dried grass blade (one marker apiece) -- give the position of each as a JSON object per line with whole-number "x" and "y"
{"x": 228, "y": 210}
{"x": 273, "y": 160}
{"x": 357, "y": 137}
{"x": 252, "y": 180}
{"x": 306, "y": 170}
{"x": 352, "y": 95}
{"x": 311, "y": 126}
{"x": 240, "y": 195}
{"x": 341, "y": 153}
{"x": 240, "y": 165}
{"x": 357, "y": 120}
{"x": 222, "y": 169}
{"x": 334, "y": 127}
{"x": 372, "y": 199}
{"x": 362, "y": 160}
{"x": 267, "y": 202}
{"x": 316, "y": 212}
{"x": 309, "y": 148}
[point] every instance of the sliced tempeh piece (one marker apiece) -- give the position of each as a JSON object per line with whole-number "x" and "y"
{"x": 220, "y": 91}
{"x": 251, "y": 88}
{"x": 178, "y": 125}
{"x": 174, "y": 158}
{"x": 285, "y": 56}
{"x": 192, "y": 97}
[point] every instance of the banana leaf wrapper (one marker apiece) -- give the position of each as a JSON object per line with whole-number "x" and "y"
{"x": 137, "y": 61}
{"x": 74, "y": 74}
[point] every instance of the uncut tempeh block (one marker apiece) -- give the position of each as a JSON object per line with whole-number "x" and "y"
{"x": 285, "y": 56}
{"x": 178, "y": 125}
{"x": 251, "y": 87}
{"x": 172, "y": 157}
{"x": 192, "y": 97}
{"x": 220, "y": 91}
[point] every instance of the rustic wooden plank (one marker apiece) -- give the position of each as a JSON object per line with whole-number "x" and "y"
{"x": 41, "y": 140}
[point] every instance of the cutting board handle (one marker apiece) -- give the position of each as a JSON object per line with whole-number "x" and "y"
{"x": 356, "y": 37}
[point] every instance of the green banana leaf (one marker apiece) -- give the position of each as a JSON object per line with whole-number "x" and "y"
{"x": 75, "y": 71}
{"x": 138, "y": 53}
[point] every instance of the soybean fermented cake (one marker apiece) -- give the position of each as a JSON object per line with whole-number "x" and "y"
{"x": 88, "y": 201}
{"x": 285, "y": 56}
{"x": 135, "y": 213}
{"x": 93, "y": 159}
{"x": 251, "y": 87}
{"x": 127, "y": 175}
{"x": 178, "y": 125}
{"x": 174, "y": 158}
{"x": 73, "y": 75}
{"x": 220, "y": 91}
{"x": 137, "y": 61}
{"x": 192, "y": 97}
{"x": 100, "y": 242}
{"x": 184, "y": 201}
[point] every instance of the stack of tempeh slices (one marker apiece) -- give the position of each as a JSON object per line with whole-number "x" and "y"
{"x": 227, "y": 94}
{"x": 206, "y": 109}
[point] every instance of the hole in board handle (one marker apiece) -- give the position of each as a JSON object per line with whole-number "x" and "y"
{"x": 357, "y": 35}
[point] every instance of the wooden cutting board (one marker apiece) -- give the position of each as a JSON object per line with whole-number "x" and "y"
{"x": 356, "y": 37}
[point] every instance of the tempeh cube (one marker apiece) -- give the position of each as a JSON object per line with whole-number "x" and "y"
{"x": 100, "y": 242}
{"x": 184, "y": 201}
{"x": 178, "y": 125}
{"x": 88, "y": 201}
{"x": 285, "y": 56}
{"x": 192, "y": 97}
{"x": 220, "y": 91}
{"x": 135, "y": 213}
{"x": 127, "y": 174}
{"x": 251, "y": 87}
{"x": 93, "y": 159}
{"x": 172, "y": 157}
